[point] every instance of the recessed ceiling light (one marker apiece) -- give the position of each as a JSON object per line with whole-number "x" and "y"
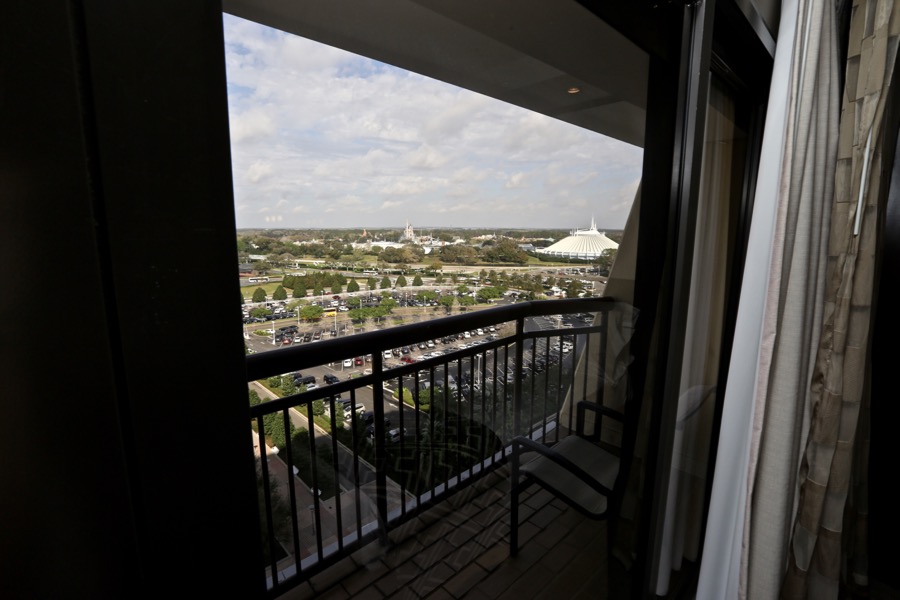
{"x": 574, "y": 90}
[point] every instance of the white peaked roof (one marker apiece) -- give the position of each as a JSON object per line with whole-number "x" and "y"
{"x": 582, "y": 243}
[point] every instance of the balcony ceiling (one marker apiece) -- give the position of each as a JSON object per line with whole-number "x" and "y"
{"x": 525, "y": 52}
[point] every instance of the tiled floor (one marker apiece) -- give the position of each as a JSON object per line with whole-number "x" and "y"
{"x": 460, "y": 549}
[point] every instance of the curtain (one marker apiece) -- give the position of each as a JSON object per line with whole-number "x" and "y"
{"x": 723, "y": 150}
{"x": 793, "y": 311}
{"x": 839, "y": 382}
{"x": 721, "y": 560}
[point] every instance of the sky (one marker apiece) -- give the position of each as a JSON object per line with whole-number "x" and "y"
{"x": 323, "y": 138}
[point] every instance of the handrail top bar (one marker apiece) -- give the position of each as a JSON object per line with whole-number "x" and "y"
{"x": 285, "y": 360}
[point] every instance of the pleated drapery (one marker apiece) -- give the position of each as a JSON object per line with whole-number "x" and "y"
{"x": 839, "y": 378}
{"x": 791, "y": 415}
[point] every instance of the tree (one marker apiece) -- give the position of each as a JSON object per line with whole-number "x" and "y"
{"x": 447, "y": 302}
{"x": 318, "y": 407}
{"x": 360, "y": 315}
{"x": 281, "y": 513}
{"x": 385, "y": 282}
{"x": 311, "y": 313}
{"x": 288, "y": 387}
{"x": 573, "y": 289}
{"x": 606, "y": 259}
{"x": 354, "y": 302}
{"x": 401, "y": 281}
{"x": 439, "y": 278}
{"x": 299, "y": 291}
{"x": 279, "y": 293}
{"x": 260, "y": 312}
{"x": 417, "y": 280}
{"x": 465, "y": 301}
{"x": 353, "y": 286}
{"x": 465, "y": 255}
{"x": 259, "y": 295}
{"x": 395, "y": 255}
{"x": 506, "y": 250}
{"x": 242, "y": 298}
{"x": 370, "y": 283}
{"x": 336, "y": 288}
{"x": 487, "y": 294}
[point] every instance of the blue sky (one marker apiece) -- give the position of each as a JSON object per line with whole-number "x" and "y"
{"x": 321, "y": 137}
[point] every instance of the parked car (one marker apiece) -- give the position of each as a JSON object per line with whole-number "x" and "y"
{"x": 330, "y": 378}
{"x": 348, "y": 362}
{"x": 306, "y": 380}
{"x": 394, "y": 435}
{"x": 370, "y": 429}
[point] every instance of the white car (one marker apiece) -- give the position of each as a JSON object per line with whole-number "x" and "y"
{"x": 348, "y": 362}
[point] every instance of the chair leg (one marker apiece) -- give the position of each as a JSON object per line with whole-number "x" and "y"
{"x": 514, "y": 502}
{"x": 513, "y": 519}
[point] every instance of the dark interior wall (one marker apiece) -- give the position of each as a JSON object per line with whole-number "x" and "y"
{"x": 883, "y": 518}
{"x": 127, "y": 468}
{"x": 67, "y": 523}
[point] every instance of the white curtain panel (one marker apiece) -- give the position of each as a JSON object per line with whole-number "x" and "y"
{"x": 795, "y": 302}
{"x": 722, "y": 551}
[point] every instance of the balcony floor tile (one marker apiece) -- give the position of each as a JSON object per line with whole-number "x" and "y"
{"x": 464, "y": 553}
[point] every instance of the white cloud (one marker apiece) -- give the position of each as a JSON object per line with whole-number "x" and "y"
{"x": 426, "y": 158}
{"x": 258, "y": 170}
{"x": 516, "y": 180}
{"x": 409, "y": 185}
{"x": 254, "y": 123}
{"x": 318, "y": 132}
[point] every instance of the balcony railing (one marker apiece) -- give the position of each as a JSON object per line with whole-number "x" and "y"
{"x": 415, "y": 431}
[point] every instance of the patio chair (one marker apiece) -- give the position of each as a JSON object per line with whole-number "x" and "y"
{"x": 579, "y": 469}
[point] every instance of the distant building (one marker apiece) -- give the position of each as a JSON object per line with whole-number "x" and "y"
{"x": 587, "y": 244}
{"x": 408, "y": 233}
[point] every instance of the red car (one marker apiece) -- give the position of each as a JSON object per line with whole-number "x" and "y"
{"x": 358, "y": 361}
